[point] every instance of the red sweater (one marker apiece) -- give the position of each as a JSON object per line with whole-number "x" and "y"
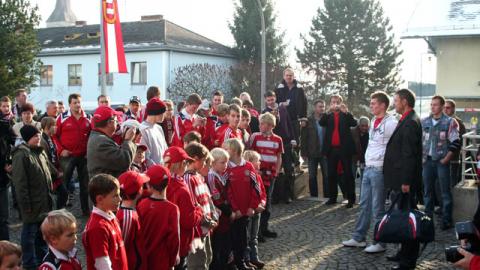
{"x": 190, "y": 214}
{"x": 134, "y": 246}
{"x": 160, "y": 223}
{"x": 243, "y": 190}
{"x": 336, "y": 133}
{"x": 72, "y": 134}
{"x": 269, "y": 147}
{"x": 201, "y": 196}
{"x": 209, "y": 137}
{"x": 102, "y": 237}
{"x": 218, "y": 190}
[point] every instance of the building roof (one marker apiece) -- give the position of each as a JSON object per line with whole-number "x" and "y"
{"x": 444, "y": 18}
{"x": 137, "y": 36}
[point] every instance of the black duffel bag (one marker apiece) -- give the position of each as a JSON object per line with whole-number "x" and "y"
{"x": 402, "y": 223}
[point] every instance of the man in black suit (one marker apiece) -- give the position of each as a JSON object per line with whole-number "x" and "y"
{"x": 402, "y": 167}
{"x": 339, "y": 148}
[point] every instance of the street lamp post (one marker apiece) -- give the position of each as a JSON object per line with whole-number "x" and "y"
{"x": 263, "y": 83}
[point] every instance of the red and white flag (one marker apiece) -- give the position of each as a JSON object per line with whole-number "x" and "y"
{"x": 113, "y": 40}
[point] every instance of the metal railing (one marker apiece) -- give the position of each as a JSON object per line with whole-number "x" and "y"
{"x": 470, "y": 144}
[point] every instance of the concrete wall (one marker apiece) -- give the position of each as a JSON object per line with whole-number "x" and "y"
{"x": 458, "y": 67}
{"x": 160, "y": 66}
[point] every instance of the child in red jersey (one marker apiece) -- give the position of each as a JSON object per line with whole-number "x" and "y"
{"x": 102, "y": 237}
{"x": 191, "y": 214}
{"x": 251, "y": 255}
{"x": 201, "y": 255}
{"x": 59, "y": 229}
{"x": 160, "y": 222}
{"x": 270, "y": 148}
{"x": 131, "y": 189}
{"x": 10, "y": 256}
{"x": 188, "y": 120}
{"x": 243, "y": 192}
{"x": 231, "y": 130}
{"x": 216, "y": 180}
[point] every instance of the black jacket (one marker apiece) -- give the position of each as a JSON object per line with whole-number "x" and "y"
{"x": 310, "y": 145}
{"x": 346, "y": 121}
{"x": 297, "y": 110}
{"x": 403, "y": 157}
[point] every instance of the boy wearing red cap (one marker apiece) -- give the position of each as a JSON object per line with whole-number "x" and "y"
{"x": 131, "y": 187}
{"x": 178, "y": 193}
{"x": 152, "y": 133}
{"x": 201, "y": 256}
{"x": 243, "y": 192}
{"x": 231, "y": 130}
{"x": 160, "y": 222}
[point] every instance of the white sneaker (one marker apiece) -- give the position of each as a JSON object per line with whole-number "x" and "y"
{"x": 374, "y": 248}
{"x": 353, "y": 243}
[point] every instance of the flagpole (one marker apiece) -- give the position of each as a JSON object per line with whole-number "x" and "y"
{"x": 103, "y": 74}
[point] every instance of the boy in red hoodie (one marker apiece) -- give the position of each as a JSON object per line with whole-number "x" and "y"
{"x": 243, "y": 192}
{"x": 159, "y": 219}
{"x": 131, "y": 189}
{"x": 201, "y": 255}
{"x": 191, "y": 214}
{"x": 102, "y": 237}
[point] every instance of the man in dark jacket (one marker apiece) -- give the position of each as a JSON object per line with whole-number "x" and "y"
{"x": 104, "y": 155}
{"x": 339, "y": 149}
{"x": 32, "y": 178}
{"x": 403, "y": 167}
{"x": 312, "y": 137}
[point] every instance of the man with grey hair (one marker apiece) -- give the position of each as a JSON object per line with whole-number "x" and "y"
{"x": 360, "y": 138}
{"x": 51, "y": 110}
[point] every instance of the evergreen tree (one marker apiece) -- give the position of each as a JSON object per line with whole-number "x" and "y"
{"x": 246, "y": 30}
{"x": 351, "y": 49}
{"x": 19, "y": 47}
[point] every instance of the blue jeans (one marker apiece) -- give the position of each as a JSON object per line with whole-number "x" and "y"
{"x": 4, "y": 212}
{"x": 372, "y": 201}
{"x": 252, "y": 249}
{"x": 433, "y": 170}
{"x": 313, "y": 163}
{"x": 34, "y": 247}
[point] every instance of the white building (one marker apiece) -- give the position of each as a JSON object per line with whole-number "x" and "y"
{"x": 154, "y": 47}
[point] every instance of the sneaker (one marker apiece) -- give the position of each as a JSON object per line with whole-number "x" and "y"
{"x": 353, "y": 243}
{"x": 377, "y": 248}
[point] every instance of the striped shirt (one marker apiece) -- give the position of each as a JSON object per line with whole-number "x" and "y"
{"x": 269, "y": 146}
{"x": 201, "y": 195}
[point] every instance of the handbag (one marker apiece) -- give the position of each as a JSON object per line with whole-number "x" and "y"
{"x": 404, "y": 224}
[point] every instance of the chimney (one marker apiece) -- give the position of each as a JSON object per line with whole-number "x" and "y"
{"x": 151, "y": 18}
{"x": 62, "y": 15}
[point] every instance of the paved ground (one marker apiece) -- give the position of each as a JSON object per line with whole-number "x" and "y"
{"x": 310, "y": 236}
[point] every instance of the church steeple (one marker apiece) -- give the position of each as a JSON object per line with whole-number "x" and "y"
{"x": 62, "y": 15}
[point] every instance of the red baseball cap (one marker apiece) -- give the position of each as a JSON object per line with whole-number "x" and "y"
{"x": 131, "y": 181}
{"x": 103, "y": 113}
{"x": 158, "y": 174}
{"x": 175, "y": 154}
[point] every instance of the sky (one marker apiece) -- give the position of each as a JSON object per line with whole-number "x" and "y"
{"x": 210, "y": 18}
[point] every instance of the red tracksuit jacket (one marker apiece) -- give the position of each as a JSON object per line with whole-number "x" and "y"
{"x": 160, "y": 223}
{"x": 72, "y": 134}
{"x": 190, "y": 214}
{"x": 183, "y": 124}
{"x": 242, "y": 187}
{"x": 131, "y": 233}
{"x": 218, "y": 190}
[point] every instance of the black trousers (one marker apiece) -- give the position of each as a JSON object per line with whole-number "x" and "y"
{"x": 265, "y": 217}
{"x": 68, "y": 165}
{"x": 239, "y": 239}
{"x": 221, "y": 248}
{"x": 408, "y": 253}
{"x": 287, "y": 164}
{"x": 348, "y": 185}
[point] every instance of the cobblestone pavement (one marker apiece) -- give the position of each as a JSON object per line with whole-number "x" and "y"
{"x": 310, "y": 236}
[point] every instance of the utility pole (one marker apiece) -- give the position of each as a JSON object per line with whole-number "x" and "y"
{"x": 263, "y": 84}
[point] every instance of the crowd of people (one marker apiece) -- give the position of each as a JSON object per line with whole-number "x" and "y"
{"x": 191, "y": 185}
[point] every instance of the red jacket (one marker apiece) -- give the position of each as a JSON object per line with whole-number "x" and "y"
{"x": 159, "y": 220}
{"x": 209, "y": 135}
{"x": 190, "y": 214}
{"x": 218, "y": 190}
{"x": 72, "y": 134}
{"x": 183, "y": 124}
{"x": 242, "y": 188}
{"x": 225, "y": 132}
{"x": 131, "y": 233}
